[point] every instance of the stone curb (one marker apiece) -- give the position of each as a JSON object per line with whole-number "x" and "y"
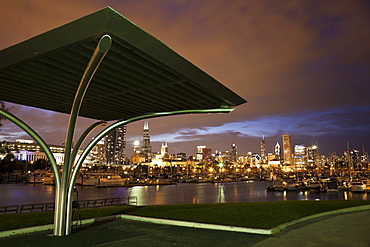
{"x": 32, "y": 229}
{"x": 197, "y": 225}
{"x": 243, "y": 229}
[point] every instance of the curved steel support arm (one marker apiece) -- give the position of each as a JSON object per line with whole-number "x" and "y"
{"x": 37, "y": 138}
{"x": 48, "y": 153}
{"x": 109, "y": 129}
{"x": 97, "y": 57}
{"x": 123, "y": 122}
{"x": 83, "y": 138}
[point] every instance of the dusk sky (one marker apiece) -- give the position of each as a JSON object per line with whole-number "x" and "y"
{"x": 303, "y": 67}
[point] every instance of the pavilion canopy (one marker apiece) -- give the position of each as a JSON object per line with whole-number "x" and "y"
{"x": 139, "y": 75}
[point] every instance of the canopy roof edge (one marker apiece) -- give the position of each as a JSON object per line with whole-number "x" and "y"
{"x": 140, "y": 74}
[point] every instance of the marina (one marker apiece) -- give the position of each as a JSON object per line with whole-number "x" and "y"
{"x": 179, "y": 193}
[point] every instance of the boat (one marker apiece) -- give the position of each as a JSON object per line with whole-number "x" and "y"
{"x": 93, "y": 178}
{"x": 367, "y": 189}
{"x": 276, "y": 186}
{"x": 37, "y": 176}
{"x": 112, "y": 181}
{"x": 314, "y": 186}
{"x": 358, "y": 186}
{"x": 292, "y": 186}
{"x": 48, "y": 179}
{"x": 332, "y": 185}
{"x": 87, "y": 181}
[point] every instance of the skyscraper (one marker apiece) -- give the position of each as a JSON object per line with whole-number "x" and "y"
{"x": 164, "y": 150}
{"x": 263, "y": 150}
{"x": 287, "y": 149}
{"x": 277, "y": 150}
{"x": 115, "y": 146}
{"x": 234, "y": 153}
{"x": 136, "y": 147}
{"x": 300, "y": 155}
{"x": 146, "y": 148}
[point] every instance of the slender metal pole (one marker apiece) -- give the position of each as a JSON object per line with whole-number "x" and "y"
{"x": 97, "y": 57}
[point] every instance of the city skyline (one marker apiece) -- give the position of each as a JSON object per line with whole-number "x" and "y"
{"x": 302, "y": 66}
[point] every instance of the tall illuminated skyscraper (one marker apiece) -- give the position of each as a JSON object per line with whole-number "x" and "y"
{"x": 146, "y": 148}
{"x": 164, "y": 150}
{"x": 234, "y": 153}
{"x": 287, "y": 149}
{"x": 263, "y": 150}
{"x": 115, "y": 146}
{"x": 277, "y": 150}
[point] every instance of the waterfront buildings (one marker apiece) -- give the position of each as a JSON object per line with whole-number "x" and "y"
{"x": 28, "y": 150}
{"x": 203, "y": 153}
{"x": 112, "y": 151}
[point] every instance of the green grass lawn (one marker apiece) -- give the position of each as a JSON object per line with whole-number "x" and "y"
{"x": 251, "y": 214}
{"x": 254, "y": 214}
{"x": 22, "y": 220}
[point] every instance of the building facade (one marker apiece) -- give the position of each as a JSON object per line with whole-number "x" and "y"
{"x": 146, "y": 149}
{"x": 287, "y": 150}
{"x": 115, "y": 146}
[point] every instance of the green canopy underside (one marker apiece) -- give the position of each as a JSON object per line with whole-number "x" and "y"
{"x": 139, "y": 75}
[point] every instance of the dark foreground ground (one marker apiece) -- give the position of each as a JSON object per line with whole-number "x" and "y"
{"x": 350, "y": 229}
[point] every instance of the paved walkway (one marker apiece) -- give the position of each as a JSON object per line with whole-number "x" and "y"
{"x": 347, "y": 230}
{"x": 351, "y": 229}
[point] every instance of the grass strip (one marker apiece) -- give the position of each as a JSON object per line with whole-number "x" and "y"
{"x": 23, "y": 220}
{"x": 263, "y": 215}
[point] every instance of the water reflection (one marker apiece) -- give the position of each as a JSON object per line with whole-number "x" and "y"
{"x": 18, "y": 194}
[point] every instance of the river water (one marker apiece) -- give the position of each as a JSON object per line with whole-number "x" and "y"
{"x": 246, "y": 191}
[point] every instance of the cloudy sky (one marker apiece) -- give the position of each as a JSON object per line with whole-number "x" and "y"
{"x": 303, "y": 67}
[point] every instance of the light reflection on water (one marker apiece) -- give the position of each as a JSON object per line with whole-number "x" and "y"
{"x": 18, "y": 194}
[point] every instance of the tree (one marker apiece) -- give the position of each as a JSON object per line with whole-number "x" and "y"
{"x": 41, "y": 164}
{"x": 3, "y": 107}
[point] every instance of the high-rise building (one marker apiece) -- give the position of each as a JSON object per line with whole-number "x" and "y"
{"x": 181, "y": 156}
{"x": 203, "y": 153}
{"x": 300, "y": 155}
{"x": 287, "y": 149}
{"x": 115, "y": 146}
{"x": 263, "y": 150}
{"x": 200, "y": 155}
{"x": 146, "y": 148}
{"x": 136, "y": 147}
{"x": 312, "y": 154}
{"x": 164, "y": 150}
{"x": 355, "y": 159}
{"x": 277, "y": 151}
{"x": 234, "y": 153}
{"x": 98, "y": 152}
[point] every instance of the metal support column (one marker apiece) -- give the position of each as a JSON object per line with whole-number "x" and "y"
{"x": 97, "y": 57}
